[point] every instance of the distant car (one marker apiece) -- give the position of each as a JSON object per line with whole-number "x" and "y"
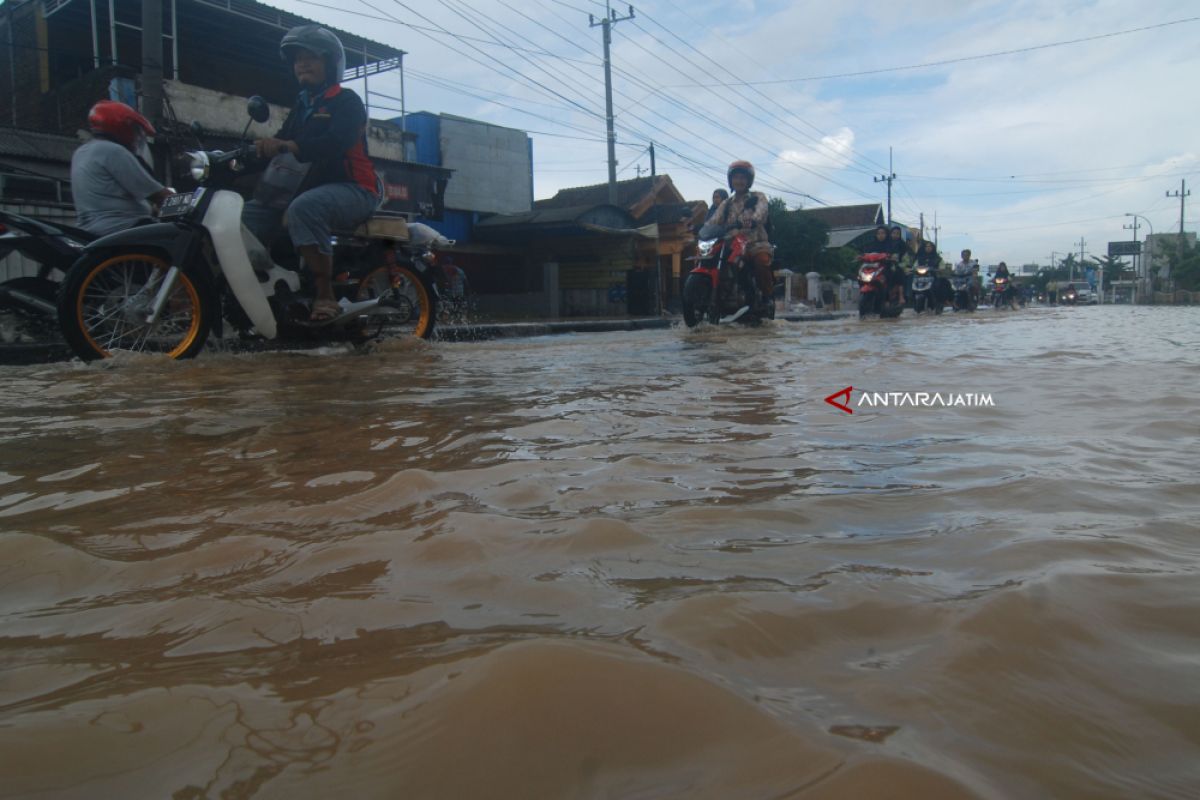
{"x": 1084, "y": 294}
{"x": 1075, "y": 293}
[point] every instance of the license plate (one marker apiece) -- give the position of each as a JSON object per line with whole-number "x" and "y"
{"x": 176, "y": 205}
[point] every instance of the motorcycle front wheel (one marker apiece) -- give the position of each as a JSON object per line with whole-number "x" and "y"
{"x": 104, "y": 301}
{"x": 406, "y": 306}
{"x": 697, "y": 292}
{"x": 866, "y": 304}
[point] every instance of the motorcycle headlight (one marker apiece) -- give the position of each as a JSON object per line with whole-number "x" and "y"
{"x": 200, "y": 165}
{"x": 706, "y": 247}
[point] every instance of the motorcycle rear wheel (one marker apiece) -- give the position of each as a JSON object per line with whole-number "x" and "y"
{"x": 103, "y": 302}
{"x": 408, "y": 307}
{"x": 697, "y": 292}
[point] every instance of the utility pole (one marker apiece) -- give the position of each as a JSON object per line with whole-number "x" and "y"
{"x": 935, "y": 230}
{"x": 652, "y": 172}
{"x": 1082, "y": 244}
{"x": 152, "y": 72}
{"x": 1182, "y": 195}
{"x": 891, "y": 176}
{"x": 922, "y": 226}
{"x": 1137, "y": 259}
{"x": 610, "y": 19}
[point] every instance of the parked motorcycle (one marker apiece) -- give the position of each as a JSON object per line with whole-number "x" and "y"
{"x": 166, "y": 286}
{"x": 874, "y": 292}
{"x": 721, "y": 287}
{"x": 925, "y": 290}
{"x": 54, "y": 247}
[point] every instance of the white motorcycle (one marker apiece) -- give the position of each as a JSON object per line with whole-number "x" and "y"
{"x": 164, "y": 287}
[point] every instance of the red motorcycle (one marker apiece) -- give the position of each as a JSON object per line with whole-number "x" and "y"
{"x": 873, "y": 287}
{"x": 721, "y": 287}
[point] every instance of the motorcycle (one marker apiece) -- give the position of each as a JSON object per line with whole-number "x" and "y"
{"x": 721, "y": 287}
{"x": 164, "y": 287}
{"x": 874, "y": 291}
{"x": 1067, "y": 298}
{"x": 54, "y": 247}
{"x": 1001, "y": 292}
{"x": 925, "y": 294}
{"x": 961, "y": 285}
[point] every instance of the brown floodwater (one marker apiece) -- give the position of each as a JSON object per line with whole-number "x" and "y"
{"x": 626, "y": 565}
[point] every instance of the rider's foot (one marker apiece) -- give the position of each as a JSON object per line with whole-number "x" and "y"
{"x": 324, "y": 310}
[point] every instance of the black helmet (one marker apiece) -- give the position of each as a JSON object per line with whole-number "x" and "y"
{"x": 744, "y": 167}
{"x": 317, "y": 40}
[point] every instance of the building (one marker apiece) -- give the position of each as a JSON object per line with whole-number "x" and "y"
{"x": 847, "y": 224}
{"x": 492, "y": 166}
{"x": 591, "y": 258}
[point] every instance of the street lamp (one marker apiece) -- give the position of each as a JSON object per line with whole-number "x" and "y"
{"x": 1141, "y": 259}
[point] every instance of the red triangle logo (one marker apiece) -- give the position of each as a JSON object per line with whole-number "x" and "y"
{"x": 833, "y": 401}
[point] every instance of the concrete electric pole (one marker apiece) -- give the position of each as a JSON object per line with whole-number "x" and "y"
{"x": 891, "y": 176}
{"x": 1182, "y": 195}
{"x": 610, "y": 19}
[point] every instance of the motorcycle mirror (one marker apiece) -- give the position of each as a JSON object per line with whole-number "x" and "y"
{"x": 258, "y": 109}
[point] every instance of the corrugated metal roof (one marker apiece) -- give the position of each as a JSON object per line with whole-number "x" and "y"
{"x": 41, "y": 146}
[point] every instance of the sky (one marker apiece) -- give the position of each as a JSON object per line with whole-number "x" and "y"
{"x": 1023, "y": 128}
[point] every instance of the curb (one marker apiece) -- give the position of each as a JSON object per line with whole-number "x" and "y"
{"x": 47, "y": 352}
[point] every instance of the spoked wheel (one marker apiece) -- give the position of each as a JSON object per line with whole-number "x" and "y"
{"x": 104, "y": 304}
{"x": 406, "y": 305}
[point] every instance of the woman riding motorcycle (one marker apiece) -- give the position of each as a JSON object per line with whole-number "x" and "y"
{"x": 747, "y": 212}
{"x": 326, "y": 130}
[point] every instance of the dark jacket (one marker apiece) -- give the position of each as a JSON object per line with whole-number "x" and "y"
{"x": 932, "y": 260}
{"x": 333, "y": 138}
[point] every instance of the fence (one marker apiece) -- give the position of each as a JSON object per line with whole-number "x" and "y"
{"x": 1177, "y": 298}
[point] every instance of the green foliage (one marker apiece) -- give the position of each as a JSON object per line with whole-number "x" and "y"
{"x": 799, "y": 240}
{"x": 1185, "y": 267}
{"x": 1114, "y": 269}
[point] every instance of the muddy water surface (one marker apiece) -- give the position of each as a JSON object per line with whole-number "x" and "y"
{"x": 627, "y": 565}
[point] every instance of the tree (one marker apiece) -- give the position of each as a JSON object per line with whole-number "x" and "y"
{"x": 1114, "y": 269}
{"x": 1185, "y": 267}
{"x": 798, "y": 239}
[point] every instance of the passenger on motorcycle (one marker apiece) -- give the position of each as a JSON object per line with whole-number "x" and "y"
{"x": 113, "y": 188}
{"x": 746, "y": 211}
{"x": 326, "y": 129}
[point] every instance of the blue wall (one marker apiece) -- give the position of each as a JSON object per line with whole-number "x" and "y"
{"x": 428, "y": 129}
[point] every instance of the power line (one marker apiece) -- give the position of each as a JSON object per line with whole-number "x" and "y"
{"x": 961, "y": 59}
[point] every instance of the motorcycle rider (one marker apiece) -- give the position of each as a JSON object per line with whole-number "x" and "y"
{"x": 1009, "y": 293}
{"x": 897, "y": 276}
{"x": 928, "y": 256}
{"x": 113, "y": 188}
{"x": 326, "y": 129}
{"x": 747, "y": 211}
{"x": 969, "y": 267}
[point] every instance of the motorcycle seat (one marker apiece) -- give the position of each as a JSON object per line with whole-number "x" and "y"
{"x": 381, "y": 225}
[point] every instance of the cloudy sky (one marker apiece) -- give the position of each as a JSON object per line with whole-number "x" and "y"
{"x": 1022, "y": 126}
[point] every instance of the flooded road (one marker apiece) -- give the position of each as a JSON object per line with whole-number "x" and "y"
{"x": 629, "y": 565}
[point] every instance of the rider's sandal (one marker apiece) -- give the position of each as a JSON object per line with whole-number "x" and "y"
{"x": 324, "y": 310}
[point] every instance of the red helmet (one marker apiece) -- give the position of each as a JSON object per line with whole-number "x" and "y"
{"x": 745, "y": 167}
{"x": 118, "y": 122}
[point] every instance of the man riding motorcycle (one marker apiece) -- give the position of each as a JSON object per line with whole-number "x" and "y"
{"x": 112, "y": 188}
{"x": 747, "y": 211}
{"x": 326, "y": 130}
